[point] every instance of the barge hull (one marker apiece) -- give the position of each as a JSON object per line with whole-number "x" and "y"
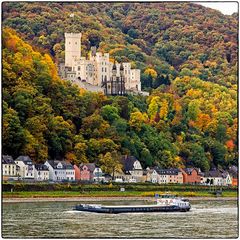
{"x": 132, "y": 210}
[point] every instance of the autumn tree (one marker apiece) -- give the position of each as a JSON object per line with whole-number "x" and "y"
{"x": 110, "y": 163}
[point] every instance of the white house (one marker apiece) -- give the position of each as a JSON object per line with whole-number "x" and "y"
{"x": 98, "y": 175}
{"x": 213, "y": 177}
{"x": 170, "y": 175}
{"x": 9, "y": 167}
{"x": 70, "y": 172}
{"x": 57, "y": 171}
{"x": 152, "y": 175}
{"x": 132, "y": 170}
{"x": 41, "y": 172}
{"x": 26, "y": 167}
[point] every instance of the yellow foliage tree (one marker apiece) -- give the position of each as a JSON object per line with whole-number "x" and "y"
{"x": 137, "y": 119}
{"x": 151, "y": 72}
{"x": 164, "y": 110}
{"x": 153, "y": 107}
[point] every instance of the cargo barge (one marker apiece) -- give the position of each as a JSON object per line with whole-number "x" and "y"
{"x": 166, "y": 203}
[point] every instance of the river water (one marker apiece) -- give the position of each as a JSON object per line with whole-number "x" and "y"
{"x": 207, "y": 219}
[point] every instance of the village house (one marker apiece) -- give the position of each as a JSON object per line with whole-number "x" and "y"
{"x": 227, "y": 180}
{"x": 213, "y": 177}
{"x": 86, "y": 171}
{"x": 152, "y": 175}
{"x": 91, "y": 172}
{"x": 9, "y": 167}
{"x": 191, "y": 175}
{"x": 57, "y": 171}
{"x": 132, "y": 170}
{"x": 77, "y": 172}
{"x": 98, "y": 175}
{"x": 171, "y": 175}
{"x": 26, "y": 167}
{"x": 41, "y": 172}
{"x": 70, "y": 172}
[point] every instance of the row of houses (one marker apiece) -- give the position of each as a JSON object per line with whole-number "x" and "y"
{"x": 54, "y": 170}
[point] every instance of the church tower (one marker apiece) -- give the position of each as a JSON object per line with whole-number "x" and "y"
{"x": 72, "y": 48}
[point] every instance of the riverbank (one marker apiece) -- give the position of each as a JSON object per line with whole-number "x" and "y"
{"x": 109, "y": 193}
{"x": 99, "y": 199}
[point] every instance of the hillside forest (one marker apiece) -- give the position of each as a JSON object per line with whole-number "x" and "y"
{"x": 188, "y": 59}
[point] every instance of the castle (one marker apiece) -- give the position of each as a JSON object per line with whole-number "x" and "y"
{"x": 97, "y": 73}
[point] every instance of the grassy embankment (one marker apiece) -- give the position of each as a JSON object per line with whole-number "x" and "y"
{"x": 29, "y": 190}
{"x": 108, "y": 194}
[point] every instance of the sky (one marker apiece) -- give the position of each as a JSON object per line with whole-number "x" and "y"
{"x": 227, "y": 8}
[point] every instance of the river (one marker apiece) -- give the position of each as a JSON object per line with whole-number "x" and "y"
{"x": 207, "y": 219}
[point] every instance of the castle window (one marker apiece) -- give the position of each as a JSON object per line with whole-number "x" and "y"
{"x": 69, "y": 42}
{"x": 105, "y": 69}
{"x": 76, "y": 43}
{"x": 79, "y": 68}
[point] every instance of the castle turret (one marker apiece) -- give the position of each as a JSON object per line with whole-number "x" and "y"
{"x": 114, "y": 69}
{"x": 121, "y": 69}
{"x": 72, "y": 48}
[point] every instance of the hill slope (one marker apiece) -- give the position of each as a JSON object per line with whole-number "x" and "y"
{"x": 191, "y": 122}
{"x": 173, "y": 39}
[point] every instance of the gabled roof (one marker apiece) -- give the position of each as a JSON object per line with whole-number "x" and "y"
{"x": 225, "y": 174}
{"x": 213, "y": 173}
{"x": 41, "y": 167}
{"x": 54, "y": 164}
{"x": 25, "y": 159}
{"x": 67, "y": 165}
{"x": 189, "y": 170}
{"x": 128, "y": 163}
{"x": 6, "y": 159}
{"x": 90, "y": 166}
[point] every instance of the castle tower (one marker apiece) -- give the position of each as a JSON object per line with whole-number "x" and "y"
{"x": 72, "y": 48}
